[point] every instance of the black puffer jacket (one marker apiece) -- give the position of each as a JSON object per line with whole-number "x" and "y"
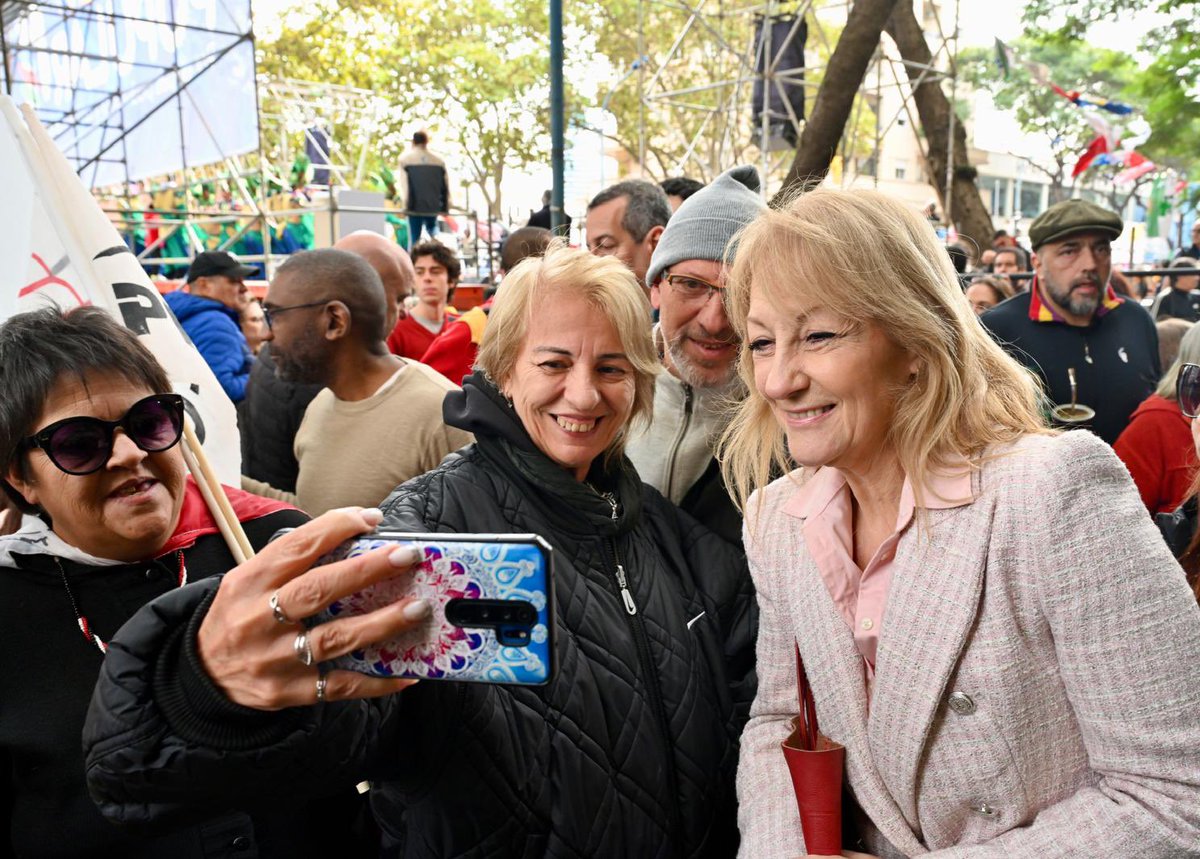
{"x": 629, "y": 751}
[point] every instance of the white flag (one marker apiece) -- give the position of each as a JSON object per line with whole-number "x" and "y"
{"x": 74, "y": 256}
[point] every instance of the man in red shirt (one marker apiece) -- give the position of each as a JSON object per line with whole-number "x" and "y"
{"x": 437, "y": 270}
{"x": 453, "y": 351}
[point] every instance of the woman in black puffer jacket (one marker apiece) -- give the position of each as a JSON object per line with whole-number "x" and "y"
{"x": 630, "y": 750}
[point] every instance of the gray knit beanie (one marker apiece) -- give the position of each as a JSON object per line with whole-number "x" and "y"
{"x": 707, "y": 220}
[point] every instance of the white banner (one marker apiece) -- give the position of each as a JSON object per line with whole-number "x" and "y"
{"x": 74, "y": 256}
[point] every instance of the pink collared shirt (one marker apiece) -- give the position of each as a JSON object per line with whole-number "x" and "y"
{"x": 861, "y": 594}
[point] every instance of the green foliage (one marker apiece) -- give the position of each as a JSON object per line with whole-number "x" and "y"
{"x": 1166, "y": 82}
{"x": 690, "y": 125}
{"x": 1073, "y": 64}
{"x": 475, "y": 74}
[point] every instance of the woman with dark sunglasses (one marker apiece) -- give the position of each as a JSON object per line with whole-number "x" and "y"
{"x": 89, "y": 434}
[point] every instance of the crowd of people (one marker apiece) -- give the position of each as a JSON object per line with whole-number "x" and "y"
{"x": 963, "y": 506}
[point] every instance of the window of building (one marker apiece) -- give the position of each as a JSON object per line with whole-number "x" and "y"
{"x": 995, "y": 194}
{"x": 1030, "y": 204}
{"x": 901, "y": 169}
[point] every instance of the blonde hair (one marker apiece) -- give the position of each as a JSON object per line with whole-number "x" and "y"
{"x": 868, "y": 258}
{"x": 613, "y": 293}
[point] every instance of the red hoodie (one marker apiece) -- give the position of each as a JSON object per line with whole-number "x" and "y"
{"x": 1157, "y": 449}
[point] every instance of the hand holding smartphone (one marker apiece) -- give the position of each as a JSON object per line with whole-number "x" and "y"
{"x": 492, "y": 618}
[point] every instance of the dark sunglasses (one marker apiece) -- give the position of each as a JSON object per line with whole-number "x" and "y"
{"x": 1187, "y": 390}
{"x": 82, "y": 445}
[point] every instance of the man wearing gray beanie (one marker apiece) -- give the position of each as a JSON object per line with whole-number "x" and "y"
{"x": 698, "y": 348}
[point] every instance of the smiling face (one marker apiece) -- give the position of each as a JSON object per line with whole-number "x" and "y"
{"x": 832, "y": 383}
{"x": 1074, "y": 272}
{"x": 572, "y": 384}
{"x": 128, "y": 509}
{"x": 701, "y": 344}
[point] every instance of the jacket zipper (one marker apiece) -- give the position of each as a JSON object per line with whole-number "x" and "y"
{"x": 648, "y": 671}
{"x": 622, "y": 580}
{"x": 679, "y": 437}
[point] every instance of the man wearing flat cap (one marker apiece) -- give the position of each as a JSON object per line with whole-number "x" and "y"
{"x": 698, "y": 348}
{"x": 1071, "y": 321}
{"x": 209, "y": 308}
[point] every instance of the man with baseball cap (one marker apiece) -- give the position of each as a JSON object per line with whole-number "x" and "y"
{"x": 698, "y": 347}
{"x": 209, "y": 308}
{"x": 1071, "y": 322}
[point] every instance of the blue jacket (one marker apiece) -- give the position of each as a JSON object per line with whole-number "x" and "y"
{"x": 215, "y": 330}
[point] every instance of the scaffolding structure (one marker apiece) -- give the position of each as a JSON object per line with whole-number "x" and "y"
{"x": 159, "y": 108}
{"x": 126, "y": 88}
{"x": 713, "y": 124}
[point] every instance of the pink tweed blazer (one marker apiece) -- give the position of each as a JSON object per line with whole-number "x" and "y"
{"x": 1037, "y": 688}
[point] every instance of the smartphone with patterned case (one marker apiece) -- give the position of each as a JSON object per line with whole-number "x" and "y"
{"x": 492, "y": 619}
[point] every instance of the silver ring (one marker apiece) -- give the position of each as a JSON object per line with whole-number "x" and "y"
{"x": 303, "y": 648}
{"x": 276, "y": 611}
{"x": 321, "y": 681}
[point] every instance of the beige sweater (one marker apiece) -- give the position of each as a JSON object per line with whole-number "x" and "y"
{"x": 356, "y": 453}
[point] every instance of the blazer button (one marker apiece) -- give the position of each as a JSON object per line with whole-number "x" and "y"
{"x": 984, "y": 809}
{"x": 962, "y": 703}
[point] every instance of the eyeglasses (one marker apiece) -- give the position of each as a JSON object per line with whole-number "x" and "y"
{"x": 1187, "y": 390}
{"x": 691, "y": 288}
{"x": 82, "y": 445}
{"x": 269, "y": 311}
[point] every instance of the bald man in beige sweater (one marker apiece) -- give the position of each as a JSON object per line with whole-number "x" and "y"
{"x": 378, "y": 422}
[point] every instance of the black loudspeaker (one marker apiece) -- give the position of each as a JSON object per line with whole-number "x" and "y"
{"x": 780, "y": 40}
{"x": 316, "y": 147}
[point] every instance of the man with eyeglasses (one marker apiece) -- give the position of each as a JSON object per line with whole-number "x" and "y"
{"x": 209, "y": 308}
{"x": 378, "y": 420}
{"x": 699, "y": 350}
{"x": 273, "y": 409}
{"x": 1089, "y": 346}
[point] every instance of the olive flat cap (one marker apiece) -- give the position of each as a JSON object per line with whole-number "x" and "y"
{"x": 1070, "y": 217}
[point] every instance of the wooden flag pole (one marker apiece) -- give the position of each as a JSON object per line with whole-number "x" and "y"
{"x": 214, "y": 496}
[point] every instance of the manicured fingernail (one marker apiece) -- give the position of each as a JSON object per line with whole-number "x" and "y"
{"x": 417, "y": 610}
{"x": 404, "y": 556}
{"x": 372, "y": 516}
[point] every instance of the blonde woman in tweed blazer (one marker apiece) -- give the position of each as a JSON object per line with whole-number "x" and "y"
{"x": 1034, "y": 686}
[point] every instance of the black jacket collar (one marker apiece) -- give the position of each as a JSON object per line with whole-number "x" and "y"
{"x": 575, "y": 506}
